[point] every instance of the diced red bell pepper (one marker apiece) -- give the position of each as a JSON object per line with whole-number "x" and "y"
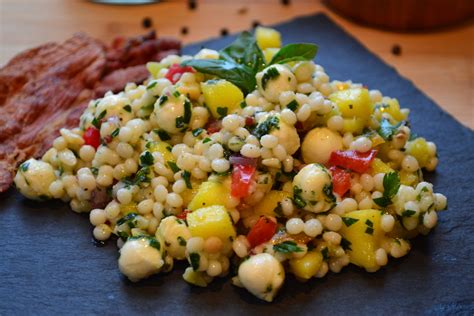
{"x": 176, "y": 71}
{"x": 214, "y": 127}
{"x": 351, "y": 159}
{"x": 341, "y": 180}
{"x": 242, "y": 176}
{"x": 184, "y": 214}
{"x": 92, "y": 137}
{"x": 262, "y": 231}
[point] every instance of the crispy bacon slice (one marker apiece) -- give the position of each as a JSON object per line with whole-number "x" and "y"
{"x": 48, "y": 87}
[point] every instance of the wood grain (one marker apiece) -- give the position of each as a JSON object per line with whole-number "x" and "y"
{"x": 440, "y": 63}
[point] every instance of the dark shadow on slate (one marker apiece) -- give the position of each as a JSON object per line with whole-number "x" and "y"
{"x": 49, "y": 265}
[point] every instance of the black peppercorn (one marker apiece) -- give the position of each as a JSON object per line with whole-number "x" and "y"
{"x": 224, "y": 32}
{"x": 147, "y": 22}
{"x": 184, "y": 30}
{"x": 396, "y": 50}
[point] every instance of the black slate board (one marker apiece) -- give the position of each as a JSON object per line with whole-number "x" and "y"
{"x": 48, "y": 264}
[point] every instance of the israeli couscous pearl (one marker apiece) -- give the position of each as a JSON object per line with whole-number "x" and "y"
{"x": 102, "y": 232}
{"x": 313, "y": 227}
{"x": 295, "y": 225}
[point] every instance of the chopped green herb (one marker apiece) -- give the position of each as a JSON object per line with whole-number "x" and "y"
{"x": 266, "y": 126}
{"x": 369, "y": 223}
{"x": 179, "y": 122}
{"x": 278, "y": 210}
{"x": 391, "y": 184}
{"x": 387, "y": 130}
{"x": 187, "y": 178}
{"x": 293, "y": 105}
{"x": 154, "y": 243}
{"x": 222, "y": 111}
{"x": 327, "y": 190}
{"x": 198, "y": 131}
{"x": 243, "y": 105}
{"x": 269, "y": 288}
{"x": 348, "y": 221}
{"x": 369, "y": 230}
{"x": 162, "y": 100}
{"x": 115, "y": 132}
{"x": 128, "y": 108}
{"x": 206, "y": 140}
{"x": 173, "y": 166}
{"x": 194, "y": 258}
{"x": 95, "y": 171}
{"x": 151, "y": 85}
{"x": 325, "y": 253}
{"x": 297, "y": 199}
{"x": 271, "y": 74}
{"x": 408, "y": 213}
{"x": 146, "y": 159}
{"x": 176, "y": 94}
{"x": 187, "y": 112}
{"x": 181, "y": 241}
{"x": 129, "y": 219}
{"x": 287, "y": 247}
{"x": 24, "y": 166}
{"x": 162, "y": 134}
{"x": 346, "y": 244}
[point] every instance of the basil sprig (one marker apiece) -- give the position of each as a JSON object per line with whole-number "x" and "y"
{"x": 240, "y": 61}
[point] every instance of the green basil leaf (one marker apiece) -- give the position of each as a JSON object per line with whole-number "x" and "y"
{"x": 295, "y": 52}
{"x": 241, "y": 75}
{"x": 245, "y": 51}
{"x": 387, "y": 130}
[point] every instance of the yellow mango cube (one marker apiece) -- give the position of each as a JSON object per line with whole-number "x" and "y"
{"x": 189, "y": 194}
{"x": 418, "y": 148}
{"x": 269, "y": 53}
{"x": 354, "y": 102}
{"x": 128, "y": 208}
{"x": 210, "y": 193}
{"x": 270, "y": 202}
{"x": 362, "y": 231}
{"x": 163, "y": 148}
{"x": 306, "y": 267}
{"x": 267, "y": 37}
{"x": 392, "y": 107}
{"x": 211, "y": 221}
{"x": 378, "y": 166}
{"x": 353, "y": 125}
{"x": 409, "y": 178}
{"x": 221, "y": 97}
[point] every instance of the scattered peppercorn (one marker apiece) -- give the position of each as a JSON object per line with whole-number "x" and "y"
{"x": 192, "y": 4}
{"x": 242, "y": 10}
{"x": 285, "y": 2}
{"x": 184, "y": 30}
{"x": 224, "y": 32}
{"x": 396, "y": 50}
{"x": 147, "y": 22}
{"x": 255, "y": 24}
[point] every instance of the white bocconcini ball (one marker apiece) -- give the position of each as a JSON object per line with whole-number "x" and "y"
{"x": 172, "y": 113}
{"x": 286, "y": 134}
{"x": 175, "y": 233}
{"x": 318, "y": 145}
{"x": 138, "y": 259}
{"x": 275, "y": 79}
{"x": 312, "y": 188}
{"x": 262, "y": 275}
{"x": 206, "y": 53}
{"x": 33, "y": 179}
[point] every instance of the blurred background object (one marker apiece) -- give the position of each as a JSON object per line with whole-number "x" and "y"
{"x": 125, "y": 2}
{"x": 405, "y": 15}
{"x": 440, "y": 62}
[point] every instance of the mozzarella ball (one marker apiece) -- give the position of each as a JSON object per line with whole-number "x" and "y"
{"x": 175, "y": 233}
{"x": 138, "y": 259}
{"x": 262, "y": 275}
{"x": 33, "y": 179}
{"x": 286, "y": 134}
{"x": 274, "y": 80}
{"x": 318, "y": 145}
{"x": 206, "y": 53}
{"x": 170, "y": 113}
{"x": 113, "y": 106}
{"x": 312, "y": 188}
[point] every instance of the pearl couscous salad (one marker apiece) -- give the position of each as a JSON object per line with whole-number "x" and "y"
{"x": 247, "y": 158}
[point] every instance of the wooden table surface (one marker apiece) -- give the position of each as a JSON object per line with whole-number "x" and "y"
{"x": 440, "y": 63}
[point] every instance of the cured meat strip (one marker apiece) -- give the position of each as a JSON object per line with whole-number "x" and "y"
{"x": 48, "y": 87}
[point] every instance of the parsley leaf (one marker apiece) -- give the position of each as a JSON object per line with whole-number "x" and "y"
{"x": 387, "y": 130}
{"x": 222, "y": 111}
{"x": 408, "y": 213}
{"x": 187, "y": 178}
{"x": 173, "y": 166}
{"x": 266, "y": 126}
{"x": 196, "y": 132}
{"x": 297, "y": 199}
{"x": 391, "y": 184}
{"x": 146, "y": 159}
{"x": 293, "y": 105}
{"x": 151, "y": 85}
{"x": 128, "y": 108}
{"x": 348, "y": 221}
{"x": 270, "y": 74}
{"x": 287, "y": 247}
{"x": 194, "y": 258}
{"x": 346, "y": 244}
{"x": 162, "y": 134}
